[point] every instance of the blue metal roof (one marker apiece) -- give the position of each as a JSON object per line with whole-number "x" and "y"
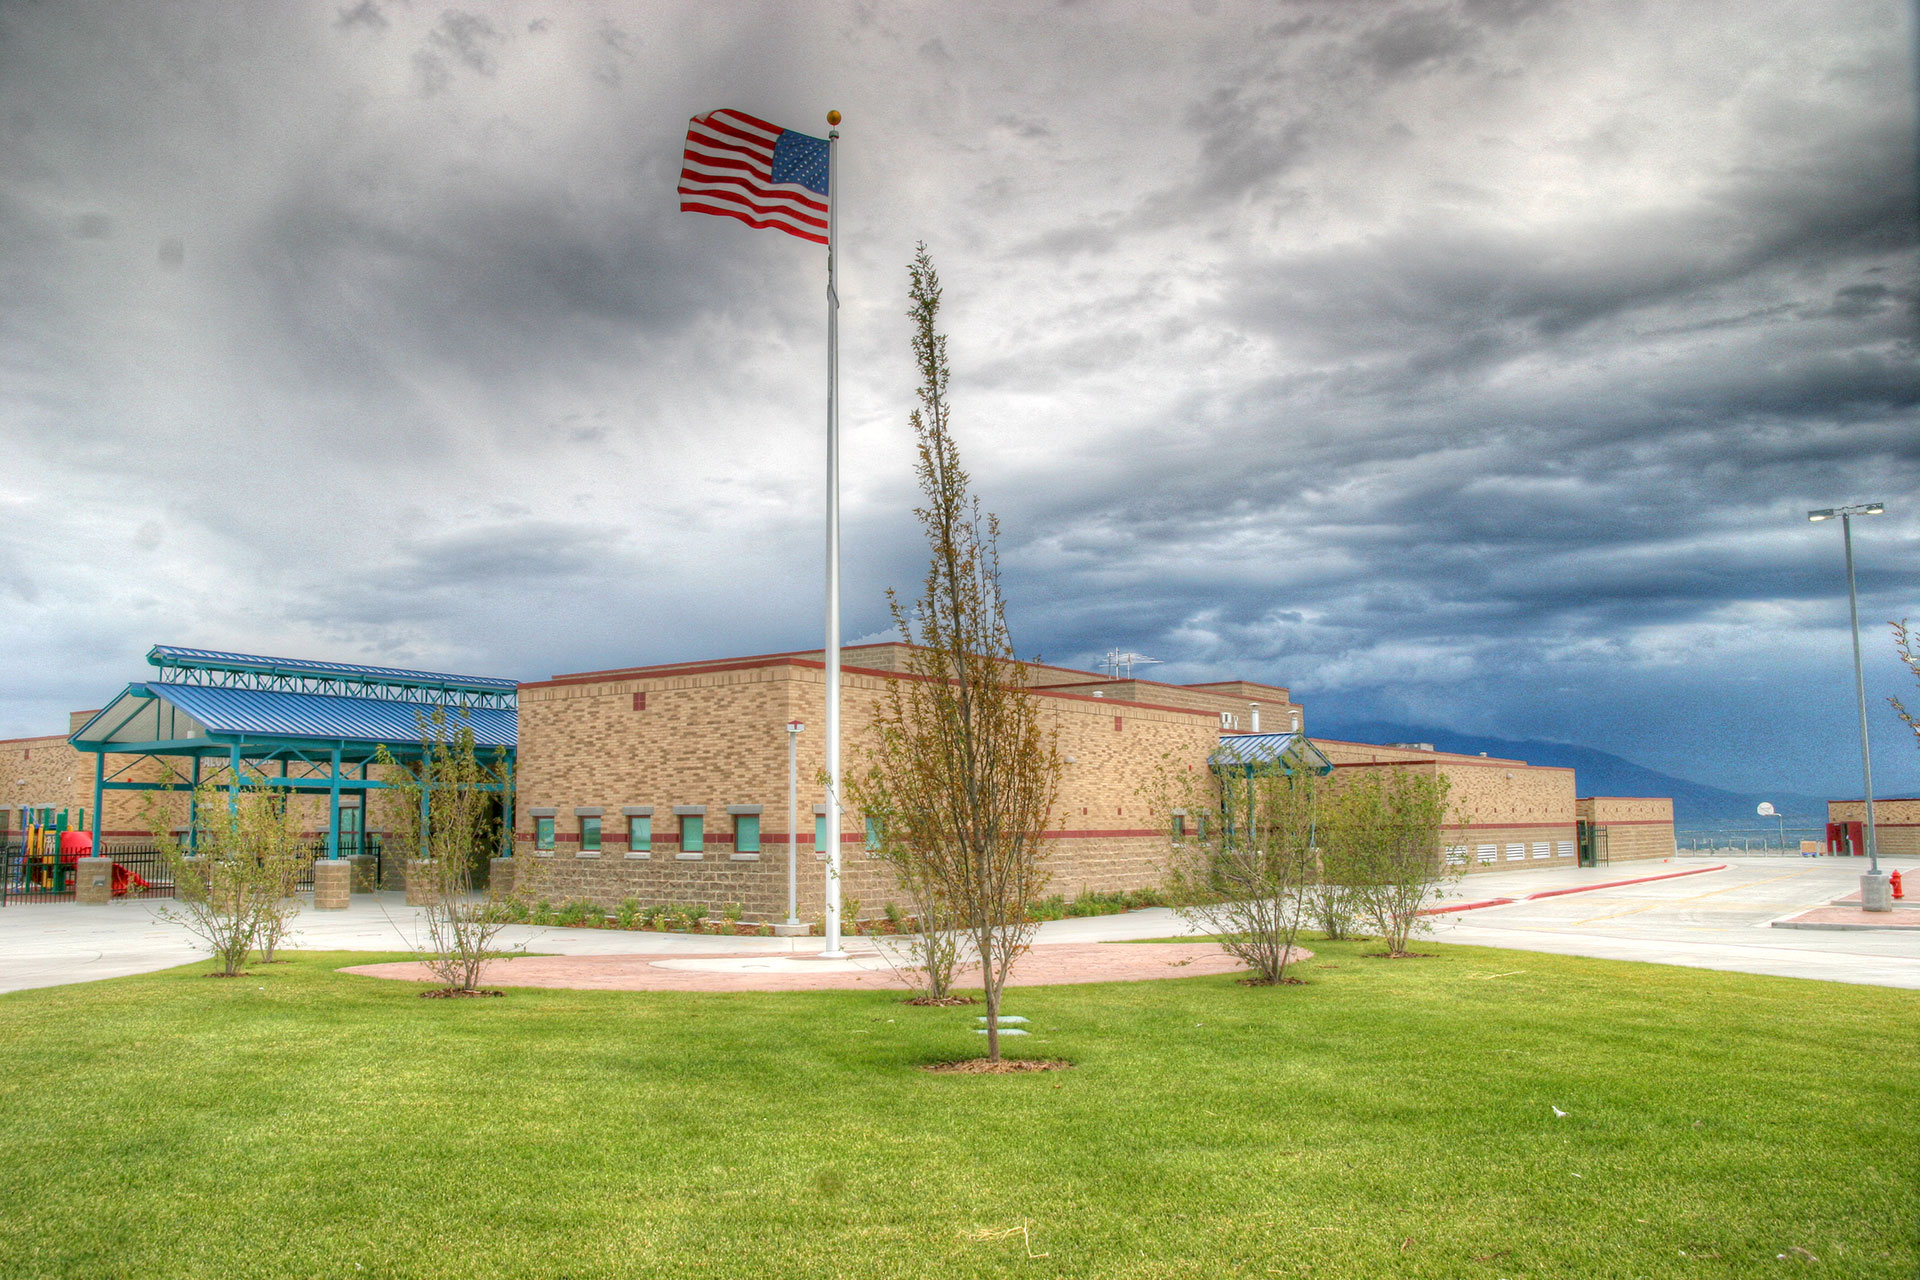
{"x": 164, "y": 655}
{"x": 229, "y": 712}
{"x": 1267, "y": 748}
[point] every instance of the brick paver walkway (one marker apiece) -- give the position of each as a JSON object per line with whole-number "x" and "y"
{"x": 1045, "y": 965}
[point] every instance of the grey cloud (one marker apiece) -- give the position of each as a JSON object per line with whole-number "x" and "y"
{"x": 1409, "y": 40}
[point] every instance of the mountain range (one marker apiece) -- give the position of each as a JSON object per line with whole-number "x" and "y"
{"x": 1596, "y": 773}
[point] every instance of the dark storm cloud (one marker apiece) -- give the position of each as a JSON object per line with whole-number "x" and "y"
{"x": 1474, "y": 359}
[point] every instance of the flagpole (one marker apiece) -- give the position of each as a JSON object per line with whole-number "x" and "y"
{"x": 833, "y": 949}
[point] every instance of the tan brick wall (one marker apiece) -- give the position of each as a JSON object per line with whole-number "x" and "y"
{"x": 47, "y": 773}
{"x": 717, "y": 738}
{"x": 1637, "y": 828}
{"x": 1505, "y": 805}
{"x": 1896, "y": 823}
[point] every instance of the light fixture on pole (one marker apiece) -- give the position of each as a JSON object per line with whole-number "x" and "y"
{"x": 792, "y": 926}
{"x": 1876, "y": 894}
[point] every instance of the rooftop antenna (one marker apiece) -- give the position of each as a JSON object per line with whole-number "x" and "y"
{"x": 1120, "y": 664}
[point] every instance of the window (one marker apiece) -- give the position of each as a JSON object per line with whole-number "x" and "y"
{"x": 1516, "y": 852}
{"x": 876, "y": 834}
{"x": 590, "y": 834}
{"x": 639, "y": 833}
{"x": 1542, "y": 848}
{"x": 1486, "y": 853}
{"x": 543, "y": 835}
{"x": 746, "y": 833}
{"x": 693, "y": 833}
{"x": 820, "y": 841}
{"x": 1564, "y": 849}
{"x": 1456, "y": 855}
{"x": 1179, "y": 826}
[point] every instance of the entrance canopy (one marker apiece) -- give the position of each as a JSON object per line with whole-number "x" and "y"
{"x": 1251, "y": 751}
{"x": 289, "y": 722}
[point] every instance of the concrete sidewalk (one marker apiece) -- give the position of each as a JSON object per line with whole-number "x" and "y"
{"x": 1719, "y": 920}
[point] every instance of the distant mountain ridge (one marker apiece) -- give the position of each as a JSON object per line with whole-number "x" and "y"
{"x": 1596, "y": 773}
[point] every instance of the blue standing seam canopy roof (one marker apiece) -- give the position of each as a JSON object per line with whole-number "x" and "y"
{"x": 228, "y": 713}
{"x": 164, "y": 655}
{"x": 1247, "y": 750}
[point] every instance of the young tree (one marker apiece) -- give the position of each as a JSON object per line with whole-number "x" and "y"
{"x": 936, "y": 944}
{"x": 233, "y": 870}
{"x": 960, "y": 772}
{"x": 1244, "y": 877}
{"x": 1383, "y": 834}
{"x": 460, "y": 831}
{"x": 1907, "y": 644}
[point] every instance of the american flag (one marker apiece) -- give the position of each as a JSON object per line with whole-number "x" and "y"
{"x": 766, "y": 176}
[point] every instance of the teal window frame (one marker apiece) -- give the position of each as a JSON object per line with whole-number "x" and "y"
{"x": 640, "y": 833}
{"x": 693, "y": 833}
{"x": 746, "y": 833}
{"x": 543, "y": 835}
{"x": 589, "y": 834}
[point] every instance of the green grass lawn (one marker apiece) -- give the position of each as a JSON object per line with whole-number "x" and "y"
{"x": 1388, "y": 1119}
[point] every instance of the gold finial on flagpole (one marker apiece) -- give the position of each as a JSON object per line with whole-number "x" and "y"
{"x": 833, "y": 117}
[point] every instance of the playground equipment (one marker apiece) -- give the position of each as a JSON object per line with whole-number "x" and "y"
{"x": 46, "y": 862}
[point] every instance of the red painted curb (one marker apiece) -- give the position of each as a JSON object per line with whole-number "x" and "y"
{"x": 1615, "y": 884}
{"x": 1555, "y": 893}
{"x": 1466, "y": 906}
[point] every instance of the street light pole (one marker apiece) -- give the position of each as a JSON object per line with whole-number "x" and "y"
{"x": 1875, "y": 893}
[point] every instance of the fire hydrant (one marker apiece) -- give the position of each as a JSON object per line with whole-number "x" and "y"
{"x": 1893, "y": 879}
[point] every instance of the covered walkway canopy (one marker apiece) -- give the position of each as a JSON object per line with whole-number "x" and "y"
{"x": 302, "y": 725}
{"x": 1250, "y": 752}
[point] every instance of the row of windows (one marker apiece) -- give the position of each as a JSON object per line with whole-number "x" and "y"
{"x": 692, "y": 833}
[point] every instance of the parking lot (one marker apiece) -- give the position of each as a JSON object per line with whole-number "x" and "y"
{"x": 1714, "y": 920}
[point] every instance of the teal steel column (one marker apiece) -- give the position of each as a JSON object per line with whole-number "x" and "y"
{"x": 193, "y": 811}
{"x": 233, "y": 782}
{"x": 333, "y": 809}
{"x": 506, "y": 809}
{"x": 99, "y": 793}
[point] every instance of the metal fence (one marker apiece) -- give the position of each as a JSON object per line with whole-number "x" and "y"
{"x": 140, "y": 870}
{"x": 1767, "y": 842}
{"x": 34, "y": 877}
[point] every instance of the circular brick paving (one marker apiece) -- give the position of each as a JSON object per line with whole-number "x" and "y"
{"x": 1047, "y": 964}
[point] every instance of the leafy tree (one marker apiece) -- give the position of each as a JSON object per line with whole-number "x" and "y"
{"x": 1243, "y": 876}
{"x": 1383, "y": 835}
{"x": 960, "y": 772}
{"x": 460, "y": 831}
{"x": 233, "y": 870}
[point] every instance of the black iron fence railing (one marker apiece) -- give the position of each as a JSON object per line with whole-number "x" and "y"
{"x": 141, "y": 870}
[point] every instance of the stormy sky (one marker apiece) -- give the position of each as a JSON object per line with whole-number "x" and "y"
{"x": 1470, "y": 364}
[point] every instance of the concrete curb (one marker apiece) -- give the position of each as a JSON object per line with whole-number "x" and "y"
{"x": 1848, "y": 928}
{"x": 1560, "y": 893}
